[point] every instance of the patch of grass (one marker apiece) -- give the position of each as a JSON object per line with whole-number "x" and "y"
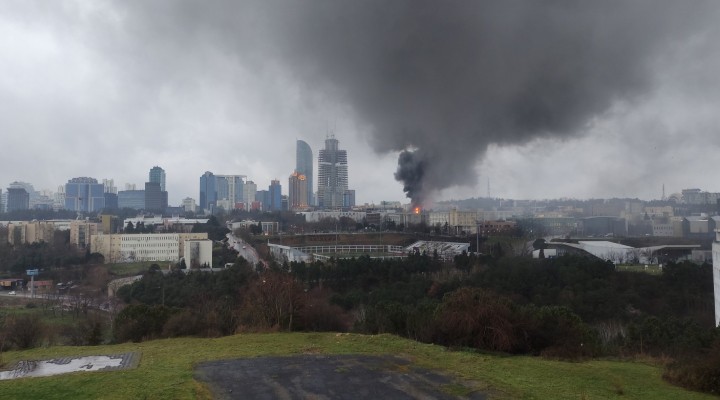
{"x": 456, "y": 389}
{"x": 135, "y": 268}
{"x": 165, "y": 370}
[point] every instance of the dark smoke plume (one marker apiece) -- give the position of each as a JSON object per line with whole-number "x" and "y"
{"x": 411, "y": 171}
{"x": 449, "y": 78}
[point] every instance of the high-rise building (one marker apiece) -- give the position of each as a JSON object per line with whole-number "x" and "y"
{"x": 17, "y": 199}
{"x": 134, "y": 199}
{"x": 84, "y": 194}
{"x": 332, "y": 175}
{"x": 189, "y": 204}
{"x": 109, "y": 186}
{"x": 111, "y": 201}
{"x": 349, "y": 198}
{"x": 249, "y": 190}
{"x": 304, "y": 166}
{"x": 263, "y": 197}
{"x": 275, "y": 190}
{"x": 155, "y": 199}
{"x": 230, "y": 190}
{"x": 208, "y": 191}
{"x": 157, "y": 175}
{"x": 297, "y": 192}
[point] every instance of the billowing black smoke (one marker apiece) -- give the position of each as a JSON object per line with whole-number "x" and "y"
{"x": 410, "y": 172}
{"x": 448, "y": 78}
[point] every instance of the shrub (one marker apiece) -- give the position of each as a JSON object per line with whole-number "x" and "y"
{"x": 471, "y": 317}
{"x": 140, "y": 322}
{"x": 700, "y": 373}
{"x": 24, "y": 331}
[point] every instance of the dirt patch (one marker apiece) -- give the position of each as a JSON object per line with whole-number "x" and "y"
{"x": 329, "y": 377}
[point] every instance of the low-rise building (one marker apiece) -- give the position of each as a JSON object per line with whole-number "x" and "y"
{"x": 143, "y": 246}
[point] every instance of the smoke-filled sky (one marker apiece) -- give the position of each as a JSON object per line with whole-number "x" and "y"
{"x": 541, "y": 99}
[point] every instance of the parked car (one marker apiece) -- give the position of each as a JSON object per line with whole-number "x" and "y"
{"x": 12, "y": 293}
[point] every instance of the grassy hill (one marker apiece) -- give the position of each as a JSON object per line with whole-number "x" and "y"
{"x": 166, "y": 369}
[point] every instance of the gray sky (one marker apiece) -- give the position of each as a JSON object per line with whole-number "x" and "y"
{"x": 545, "y": 99}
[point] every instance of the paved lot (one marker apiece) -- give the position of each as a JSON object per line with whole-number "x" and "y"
{"x": 328, "y": 377}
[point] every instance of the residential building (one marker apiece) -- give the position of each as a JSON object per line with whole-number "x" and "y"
{"x": 189, "y": 205}
{"x": 28, "y": 232}
{"x": 198, "y": 253}
{"x": 304, "y": 166}
{"x": 332, "y": 175}
{"x": 81, "y": 231}
{"x": 84, "y": 194}
{"x": 109, "y": 224}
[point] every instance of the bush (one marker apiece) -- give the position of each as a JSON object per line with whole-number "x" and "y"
{"x": 86, "y": 332}
{"x": 471, "y": 317}
{"x": 319, "y": 315}
{"x": 700, "y": 373}
{"x": 24, "y": 331}
{"x": 140, "y": 322}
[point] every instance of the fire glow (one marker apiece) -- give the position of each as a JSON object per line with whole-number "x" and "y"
{"x": 416, "y": 210}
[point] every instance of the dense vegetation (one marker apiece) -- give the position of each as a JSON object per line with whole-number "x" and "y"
{"x": 566, "y": 308}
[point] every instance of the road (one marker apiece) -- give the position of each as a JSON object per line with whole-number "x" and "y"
{"x": 244, "y": 249}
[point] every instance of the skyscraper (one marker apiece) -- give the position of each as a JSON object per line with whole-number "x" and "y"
{"x": 208, "y": 191}
{"x": 249, "y": 190}
{"x": 275, "y": 190}
{"x": 304, "y": 166}
{"x": 157, "y": 175}
{"x": 17, "y": 198}
{"x": 297, "y": 191}
{"x": 84, "y": 194}
{"x": 332, "y": 175}
{"x": 155, "y": 199}
{"x": 230, "y": 190}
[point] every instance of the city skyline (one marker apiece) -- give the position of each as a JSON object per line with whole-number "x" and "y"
{"x": 598, "y": 116}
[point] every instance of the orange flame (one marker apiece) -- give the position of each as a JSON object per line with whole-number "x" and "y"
{"x": 417, "y": 210}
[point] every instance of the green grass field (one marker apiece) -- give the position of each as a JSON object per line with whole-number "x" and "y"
{"x": 136, "y": 268}
{"x": 166, "y": 369}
